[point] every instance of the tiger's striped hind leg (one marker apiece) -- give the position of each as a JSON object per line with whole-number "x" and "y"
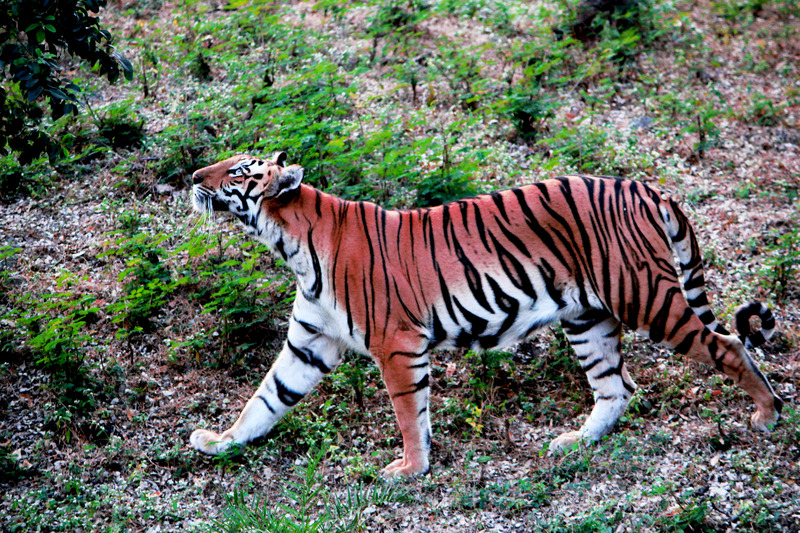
{"x": 307, "y": 355}
{"x": 595, "y": 337}
{"x": 727, "y": 354}
{"x": 405, "y": 374}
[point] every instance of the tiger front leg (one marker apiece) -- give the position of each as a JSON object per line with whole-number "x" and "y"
{"x": 406, "y": 378}
{"x": 307, "y": 355}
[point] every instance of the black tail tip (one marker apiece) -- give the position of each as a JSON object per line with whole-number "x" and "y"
{"x": 742, "y": 319}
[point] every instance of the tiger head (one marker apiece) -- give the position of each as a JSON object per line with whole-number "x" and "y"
{"x": 243, "y": 183}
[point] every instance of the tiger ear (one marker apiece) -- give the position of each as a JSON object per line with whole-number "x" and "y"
{"x": 289, "y": 180}
{"x": 279, "y": 158}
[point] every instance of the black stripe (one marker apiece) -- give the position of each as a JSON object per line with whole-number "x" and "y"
{"x": 266, "y": 403}
{"x": 694, "y": 283}
{"x": 308, "y": 357}
{"x": 687, "y": 315}
{"x": 513, "y": 239}
{"x": 285, "y": 394}
{"x": 707, "y": 317}
{"x": 498, "y": 202}
{"x": 308, "y": 327}
{"x": 514, "y": 269}
{"x": 506, "y": 303}
{"x": 700, "y": 301}
{"x": 592, "y": 364}
{"x": 473, "y": 277}
{"x": 610, "y": 371}
{"x": 481, "y": 227}
{"x": 418, "y": 386}
{"x": 316, "y": 287}
{"x": 686, "y": 344}
{"x": 543, "y": 235}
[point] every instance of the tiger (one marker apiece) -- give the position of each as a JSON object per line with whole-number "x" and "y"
{"x": 593, "y": 253}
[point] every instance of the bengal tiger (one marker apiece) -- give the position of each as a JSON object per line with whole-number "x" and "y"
{"x": 591, "y": 252}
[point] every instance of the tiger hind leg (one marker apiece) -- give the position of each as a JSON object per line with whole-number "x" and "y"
{"x": 728, "y": 354}
{"x": 595, "y": 337}
{"x": 406, "y": 376}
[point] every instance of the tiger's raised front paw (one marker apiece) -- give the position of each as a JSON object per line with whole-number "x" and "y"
{"x": 211, "y": 443}
{"x": 565, "y": 443}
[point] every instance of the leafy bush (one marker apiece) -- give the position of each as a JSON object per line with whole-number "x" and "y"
{"x": 33, "y": 32}
{"x": 52, "y": 328}
{"x": 242, "y": 296}
{"x": 119, "y": 127}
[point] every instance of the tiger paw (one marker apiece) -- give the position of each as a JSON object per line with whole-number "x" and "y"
{"x": 401, "y": 468}
{"x": 212, "y": 443}
{"x": 764, "y": 421}
{"x": 566, "y": 442}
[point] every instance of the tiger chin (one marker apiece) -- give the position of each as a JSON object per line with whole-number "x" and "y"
{"x": 591, "y": 253}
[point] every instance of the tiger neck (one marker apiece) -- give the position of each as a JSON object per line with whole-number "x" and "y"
{"x": 287, "y": 229}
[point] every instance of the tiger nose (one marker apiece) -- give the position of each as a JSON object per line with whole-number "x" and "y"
{"x": 197, "y": 179}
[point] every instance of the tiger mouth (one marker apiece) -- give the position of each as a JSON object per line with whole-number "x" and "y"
{"x": 205, "y": 201}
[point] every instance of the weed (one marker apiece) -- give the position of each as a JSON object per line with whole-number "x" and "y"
{"x": 737, "y": 10}
{"x": 529, "y": 110}
{"x": 243, "y": 299}
{"x": 454, "y": 179}
{"x": 117, "y": 126}
{"x": 764, "y": 112}
{"x": 54, "y": 328}
{"x": 781, "y": 267}
{"x": 309, "y": 508}
{"x": 578, "y": 147}
{"x": 148, "y": 281}
{"x": 32, "y": 179}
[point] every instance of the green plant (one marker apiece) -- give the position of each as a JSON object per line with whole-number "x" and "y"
{"x": 530, "y": 110}
{"x": 148, "y": 281}
{"x": 53, "y": 326}
{"x": 736, "y": 10}
{"x": 454, "y": 179}
{"x": 118, "y": 126}
{"x": 312, "y": 422}
{"x": 780, "y": 270}
{"x": 33, "y": 34}
{"x": 310, "y": 506}
{"x": 579, "y": 147}
{"x": 764, "y": 112}
{"x": 236, "y": 291}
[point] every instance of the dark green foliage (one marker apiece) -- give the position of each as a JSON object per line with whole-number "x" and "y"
{"x": 392, "y": 16}
{"x": 33, "y": 34}
{"x": 783, "y": 245}
{"x": 530, "y": 110}
{"x": 54, "y": 326}
{"x": 243, "y": 299}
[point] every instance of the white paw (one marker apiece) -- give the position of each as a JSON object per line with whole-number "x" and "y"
{"x": 209, "y": 442}
{"x": 401, "y": 469}
{"x": 566, "y": 442}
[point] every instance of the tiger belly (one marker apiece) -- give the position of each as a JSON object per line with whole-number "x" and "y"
{"x": 460, "y": 321}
